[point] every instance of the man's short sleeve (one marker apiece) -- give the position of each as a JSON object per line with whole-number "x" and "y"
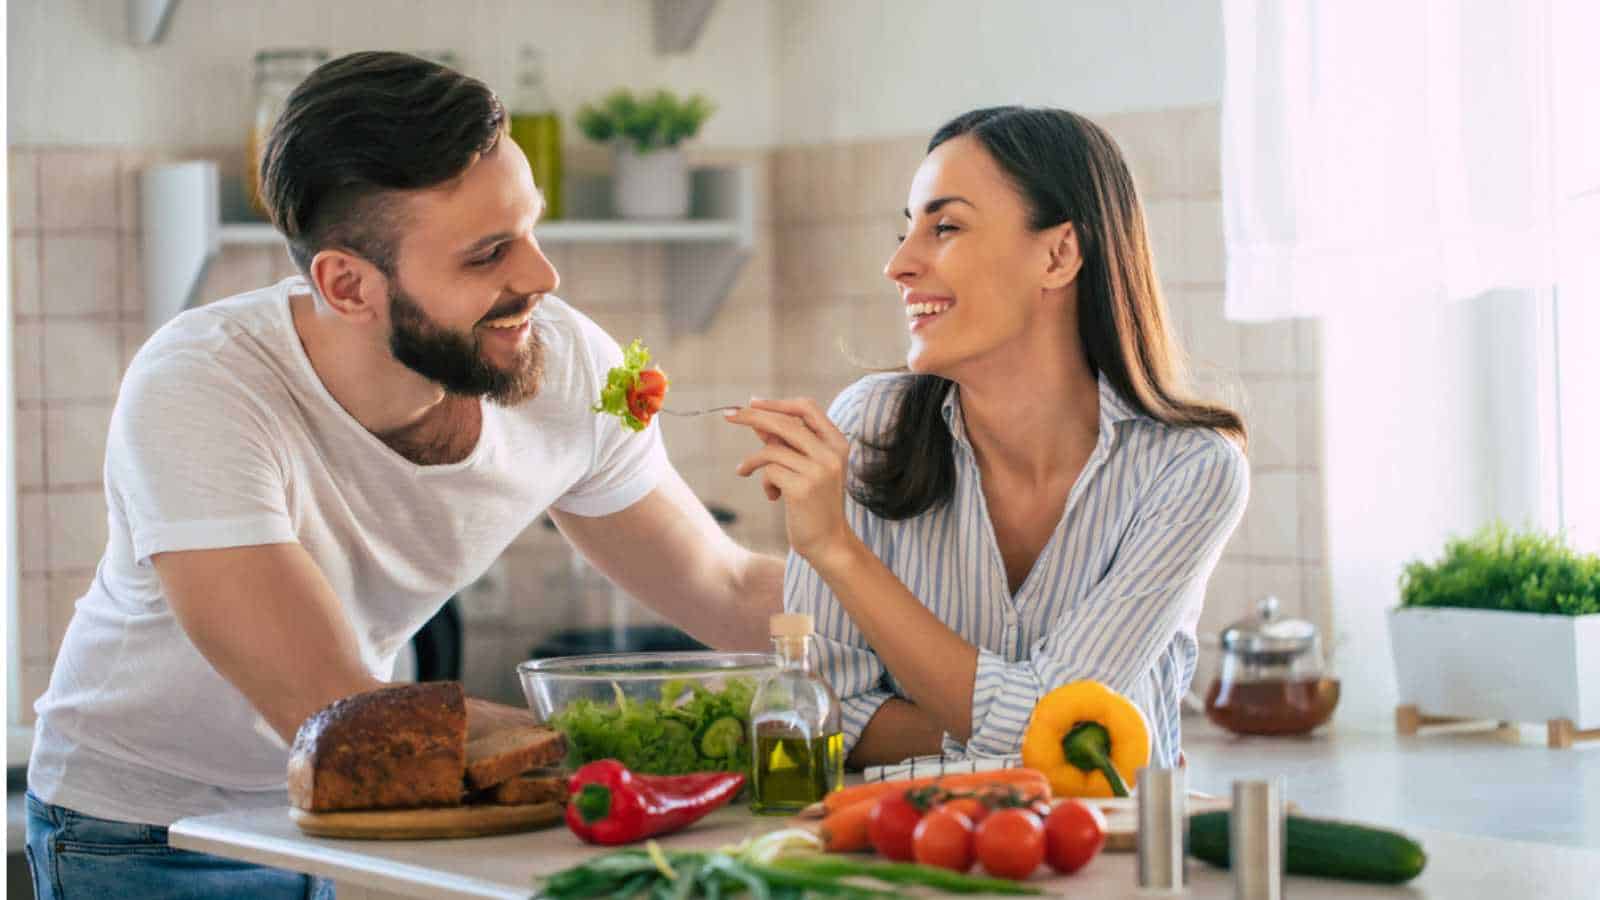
{"x": 191, "y": 460}
{"x": 626, "y": 465}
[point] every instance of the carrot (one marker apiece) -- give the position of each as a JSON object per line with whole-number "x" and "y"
{"x": 845, "y": 831}
{"x": 1030, "y": 781}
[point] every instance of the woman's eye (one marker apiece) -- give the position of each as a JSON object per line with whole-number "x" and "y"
{"x": 899, "y": 239}
{"x": 943, "y": 228}
{"x": 493, "y": 256}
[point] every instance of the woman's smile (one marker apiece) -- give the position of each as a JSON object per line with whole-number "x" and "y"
{"x": 922, "y": 310}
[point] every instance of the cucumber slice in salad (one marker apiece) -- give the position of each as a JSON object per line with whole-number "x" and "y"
{"x": 721, "y": 738}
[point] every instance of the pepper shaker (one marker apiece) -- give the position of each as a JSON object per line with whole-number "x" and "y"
{"x": 1162, "y": 801}
{"x": 1257, "y": 833}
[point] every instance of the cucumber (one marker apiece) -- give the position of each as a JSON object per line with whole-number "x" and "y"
{"x": 720, "y": 738}
{"x": 675, "y": 732}
{"x": 1321, "y": 847}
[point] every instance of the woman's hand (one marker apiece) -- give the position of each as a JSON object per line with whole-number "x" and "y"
{"x": 803, "y": 460}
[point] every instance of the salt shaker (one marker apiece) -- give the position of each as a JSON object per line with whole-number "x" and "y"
{"x": 1162, "y": 801}
{"x": 1257, "y": 832}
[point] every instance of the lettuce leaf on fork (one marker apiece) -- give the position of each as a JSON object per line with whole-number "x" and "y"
{"x": 620, "y": 380}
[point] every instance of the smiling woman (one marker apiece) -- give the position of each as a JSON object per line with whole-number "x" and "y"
{"x": 1037, "y": 500}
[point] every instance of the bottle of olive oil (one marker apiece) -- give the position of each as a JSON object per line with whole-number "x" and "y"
{"x": 536, "y": 128}
{"x": 794, "y": 726}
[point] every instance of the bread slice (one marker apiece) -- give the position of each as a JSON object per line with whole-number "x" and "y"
{"x": 401, "y": 746}
{"x": 500, "y": 757}
{"x": 536, "y": 786}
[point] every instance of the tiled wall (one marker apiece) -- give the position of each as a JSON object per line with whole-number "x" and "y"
{"x": 75, "y": 315}
{"x": 839, "y": 207}
{"x": 807, "y": 313}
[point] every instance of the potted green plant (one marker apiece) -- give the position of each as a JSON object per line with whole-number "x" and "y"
{"x": 1505, "y": 626}
{"x": 651, "y": 177}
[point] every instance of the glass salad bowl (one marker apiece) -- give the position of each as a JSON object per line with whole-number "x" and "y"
{"x": 659, "y": 713}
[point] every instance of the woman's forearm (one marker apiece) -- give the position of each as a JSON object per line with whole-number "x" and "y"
{"x": 933, "y": 664}
{"x": 898, "y": 730}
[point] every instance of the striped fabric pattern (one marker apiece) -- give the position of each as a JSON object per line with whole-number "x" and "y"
{"x": 1115, "y": 596}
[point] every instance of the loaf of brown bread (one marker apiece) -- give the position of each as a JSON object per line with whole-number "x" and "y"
{"x": 502, "y": 756}
{"x": 537, "y": 786}
{"x": 395, "y": 747}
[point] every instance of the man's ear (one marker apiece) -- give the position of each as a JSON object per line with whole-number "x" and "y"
{"x": 1065, "y": 259}
{"x": 351, "y": 285}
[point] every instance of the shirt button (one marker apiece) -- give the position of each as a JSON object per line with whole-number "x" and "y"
{"x": 1011, "y": 620}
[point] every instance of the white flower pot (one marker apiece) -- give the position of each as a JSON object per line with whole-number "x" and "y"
{"x": 1507, "y": 666}
{"x": 652, "y": 185}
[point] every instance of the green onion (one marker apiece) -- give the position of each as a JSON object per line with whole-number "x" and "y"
{"x": 903, "y": 873}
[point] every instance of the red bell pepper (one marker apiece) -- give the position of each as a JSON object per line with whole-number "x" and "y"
{"x": 608, "y": 804}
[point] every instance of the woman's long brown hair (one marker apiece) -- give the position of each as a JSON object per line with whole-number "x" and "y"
{"x": 1067, "y": 170}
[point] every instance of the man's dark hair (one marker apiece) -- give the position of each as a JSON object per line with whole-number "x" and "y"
{"x": 356, "y": 130}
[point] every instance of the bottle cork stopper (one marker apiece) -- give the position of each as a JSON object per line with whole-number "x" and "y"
{"x": 791, "y": 624}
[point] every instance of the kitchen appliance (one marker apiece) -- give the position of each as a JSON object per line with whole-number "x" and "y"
{"x": 1272, "y": 679}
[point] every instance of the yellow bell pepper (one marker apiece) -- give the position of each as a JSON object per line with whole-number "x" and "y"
{"x": 1086, "y": 738}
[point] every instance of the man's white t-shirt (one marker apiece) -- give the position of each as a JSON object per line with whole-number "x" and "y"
{"x": 224, "y": 436}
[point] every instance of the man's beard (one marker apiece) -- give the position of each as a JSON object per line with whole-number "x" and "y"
{"x": 456, "y": 361}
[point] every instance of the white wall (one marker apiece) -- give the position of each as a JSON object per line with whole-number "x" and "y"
{"x": 76, "y": 79}
{"x": 891, "y": 68}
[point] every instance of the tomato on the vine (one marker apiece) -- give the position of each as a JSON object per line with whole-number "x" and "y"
{"x": 1073, "y": 834}
{"x": 890, "y": 825}
{"x": 971, "y": 807}
{"x": 944, "y": 838}
{"x": 1010, "y": 843}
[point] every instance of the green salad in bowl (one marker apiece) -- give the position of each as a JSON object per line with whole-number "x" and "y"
{"x": 658, "y": 713}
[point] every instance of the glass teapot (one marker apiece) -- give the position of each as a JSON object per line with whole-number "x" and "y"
{"x": 1272, "y": 679}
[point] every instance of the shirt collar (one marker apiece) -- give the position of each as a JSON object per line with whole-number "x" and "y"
{"x": 1113, "y": 409}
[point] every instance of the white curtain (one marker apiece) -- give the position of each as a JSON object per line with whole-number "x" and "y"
{"x": 1383, "y": 152}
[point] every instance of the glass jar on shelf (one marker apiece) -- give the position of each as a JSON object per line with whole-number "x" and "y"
{"x": 278, "y": 72}
{"x": 536, "y": 128}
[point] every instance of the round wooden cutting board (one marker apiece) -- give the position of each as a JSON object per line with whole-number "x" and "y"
{"x": 474, "y": 820}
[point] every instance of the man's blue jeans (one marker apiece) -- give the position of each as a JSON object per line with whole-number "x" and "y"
{"x": 74, "y": 855}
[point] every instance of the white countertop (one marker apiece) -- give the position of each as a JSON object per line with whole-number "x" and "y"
{"x": 1475, "y": 801}
{"x": 1504, "y": 784}
{"x": 504, "y": 867}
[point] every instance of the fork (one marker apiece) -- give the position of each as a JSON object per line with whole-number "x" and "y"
{"x": 698, "y": 412}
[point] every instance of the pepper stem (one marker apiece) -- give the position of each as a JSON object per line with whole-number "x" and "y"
{"x": 1088, "y": 747}
{"x": 593, "y": 802}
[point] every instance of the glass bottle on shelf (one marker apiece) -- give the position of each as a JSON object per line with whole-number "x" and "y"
{"x": 278, "y": 72}
{"x": 794, "y": 725}
{"x": 536, "y": 128}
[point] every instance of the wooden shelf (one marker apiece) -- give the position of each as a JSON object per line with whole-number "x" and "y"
{"x": 677, "y": 23}
{"x": 184, "y": 231}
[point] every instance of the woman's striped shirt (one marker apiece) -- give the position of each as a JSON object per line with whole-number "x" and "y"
{"x": 1115, "y": 595}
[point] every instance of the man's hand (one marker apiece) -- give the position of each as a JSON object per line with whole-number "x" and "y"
{"x": 269, "y": 622}
{"x": 668, "y": 551}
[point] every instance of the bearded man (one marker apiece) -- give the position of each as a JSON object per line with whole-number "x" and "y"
{"x": 298, "y": 477}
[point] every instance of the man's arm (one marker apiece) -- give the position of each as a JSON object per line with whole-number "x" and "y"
{"x": 668, "y": 551}
{"x": 266, "y": 619}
